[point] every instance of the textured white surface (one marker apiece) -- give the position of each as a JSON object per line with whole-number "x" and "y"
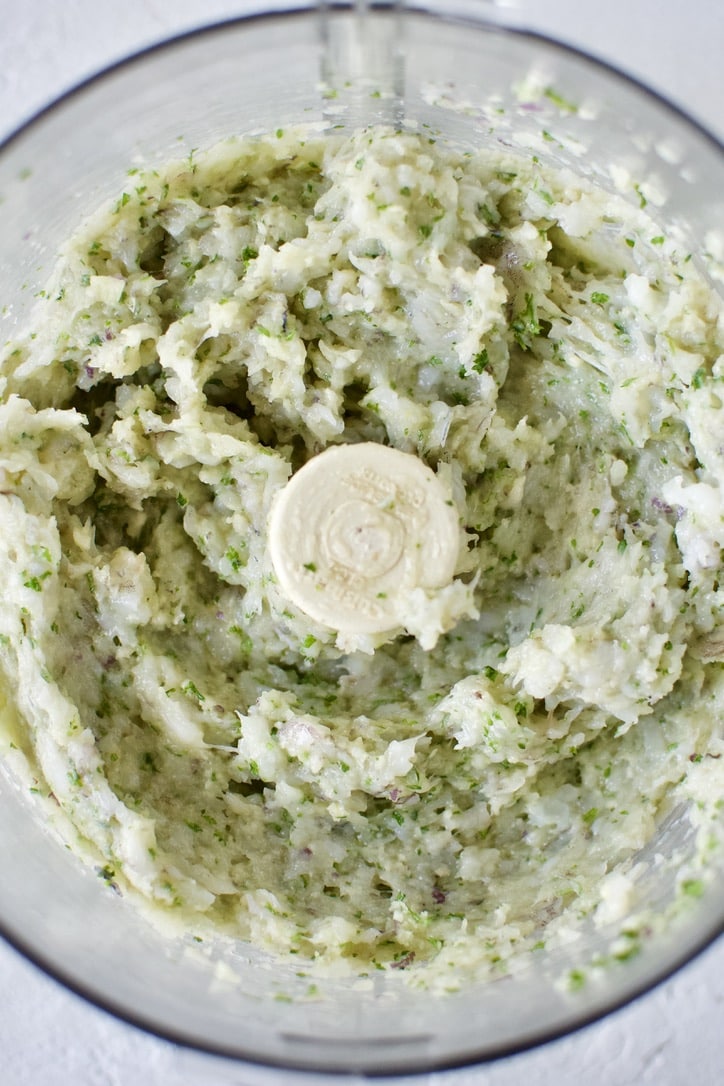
{"x": 673, "y": 1036}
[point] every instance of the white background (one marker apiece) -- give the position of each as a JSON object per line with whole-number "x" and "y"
{"x": 671, "y": 1037}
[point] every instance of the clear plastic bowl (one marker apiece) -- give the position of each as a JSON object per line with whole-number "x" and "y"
{"x": 457, "y": 74}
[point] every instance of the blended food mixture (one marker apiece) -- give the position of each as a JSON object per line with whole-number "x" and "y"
{"x": 472, "y": 783}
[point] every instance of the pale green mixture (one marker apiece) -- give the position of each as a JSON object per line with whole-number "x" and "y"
{"x": 471, "y": 787}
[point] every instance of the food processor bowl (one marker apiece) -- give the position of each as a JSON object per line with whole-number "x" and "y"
{"x": 460, "y": 75}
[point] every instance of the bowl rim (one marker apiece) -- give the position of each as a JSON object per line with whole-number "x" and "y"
{"x": 493, "y": 21}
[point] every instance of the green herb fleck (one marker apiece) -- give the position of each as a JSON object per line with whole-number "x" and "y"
{"x": 526, "y": 327}
{"x": 234, "y": 559}
{"x": 481, "y": 361}
{"x": 191, "y": 688}
{"x": 557, "y": 99}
